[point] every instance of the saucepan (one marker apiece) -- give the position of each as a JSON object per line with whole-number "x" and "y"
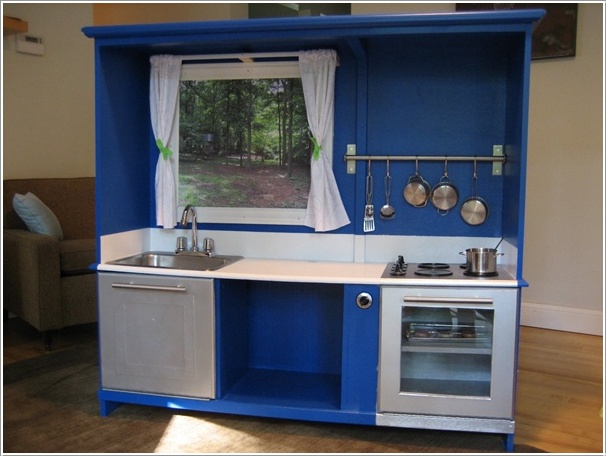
{"x": 481, "y": 261}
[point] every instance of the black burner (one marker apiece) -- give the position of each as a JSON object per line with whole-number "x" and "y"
{"x": 400, "y": 268}
{"x": 434, "y": 265}
{"x": 433, "y": 269}
{"x": 433, "y": 272}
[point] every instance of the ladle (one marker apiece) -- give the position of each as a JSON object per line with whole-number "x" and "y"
{"x": 387, "y": 211}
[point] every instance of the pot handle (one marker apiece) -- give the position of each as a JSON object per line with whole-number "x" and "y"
{"x": 463, "y": 253}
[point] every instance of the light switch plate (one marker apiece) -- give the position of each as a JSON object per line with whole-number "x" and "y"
{"x": 29, "y": 44}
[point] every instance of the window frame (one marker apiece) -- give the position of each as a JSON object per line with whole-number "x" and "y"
{"x": 238, "y": 67}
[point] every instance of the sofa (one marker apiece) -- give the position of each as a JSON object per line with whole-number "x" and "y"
{"x": 48, "y": 281}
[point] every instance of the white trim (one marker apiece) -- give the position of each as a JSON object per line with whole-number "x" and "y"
{"x": 240, "y": 70}
{"x": 562, "y": 318}
{"x": 126, "y": 243}
{"x": 247, "y": 215}
{"x": 247, "y": 68}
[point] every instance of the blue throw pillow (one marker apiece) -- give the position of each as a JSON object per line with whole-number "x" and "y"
{"x": 37, "y": 216}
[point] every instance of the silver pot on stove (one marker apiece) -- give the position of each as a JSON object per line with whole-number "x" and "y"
{"x": 481, "y": 262}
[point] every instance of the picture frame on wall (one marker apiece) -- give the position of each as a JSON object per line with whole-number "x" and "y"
{"x": 554, "y": 36}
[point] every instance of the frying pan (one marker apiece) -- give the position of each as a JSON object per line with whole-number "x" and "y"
{"x": 444, "y": 195}
{"x": 417, "y": 191}
{"x": 474, "y": 210}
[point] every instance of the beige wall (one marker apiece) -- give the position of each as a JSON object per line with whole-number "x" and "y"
{"x": 49, "y": 121}
{"x": 133, "y": 13}
{"x": 48, "y": 100}
{"x": 565, "y": 173}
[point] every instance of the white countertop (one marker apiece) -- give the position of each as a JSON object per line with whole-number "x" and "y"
{"x": 321, "y": 272}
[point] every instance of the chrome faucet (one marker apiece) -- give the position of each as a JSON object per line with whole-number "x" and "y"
{"x": 194, "y": 225}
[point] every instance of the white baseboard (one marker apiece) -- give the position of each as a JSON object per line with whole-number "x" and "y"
{"x": 569, "y": 319}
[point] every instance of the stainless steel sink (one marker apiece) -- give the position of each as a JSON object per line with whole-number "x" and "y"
{"x": 184, "y": 260}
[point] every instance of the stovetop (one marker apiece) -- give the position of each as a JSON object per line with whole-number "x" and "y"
{"x": 401, "y": 269}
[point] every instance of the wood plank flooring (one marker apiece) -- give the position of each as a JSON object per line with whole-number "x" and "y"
{"x": 560, "y": 391}
{"x": 560, "y": 384}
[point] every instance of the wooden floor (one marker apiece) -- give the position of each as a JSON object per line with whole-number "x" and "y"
{"x": 560, "y": 384}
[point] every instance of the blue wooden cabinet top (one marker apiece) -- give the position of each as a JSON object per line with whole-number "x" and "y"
{"x": 331, "y": 27}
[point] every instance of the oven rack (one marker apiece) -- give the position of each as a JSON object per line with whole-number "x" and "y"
{"x": 447, "y": 337}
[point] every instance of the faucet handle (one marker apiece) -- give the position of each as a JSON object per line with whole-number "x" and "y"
{"x": 208, "y": 246}
{"x": 181, "y": 244}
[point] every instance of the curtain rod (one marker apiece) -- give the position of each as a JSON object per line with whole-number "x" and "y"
{"x": 245, "y": 57}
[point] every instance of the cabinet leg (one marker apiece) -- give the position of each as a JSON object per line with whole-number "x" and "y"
{"x": 508, "y": 442}
{"x": 108, "y": 406}
{"x": 48, "y": 339}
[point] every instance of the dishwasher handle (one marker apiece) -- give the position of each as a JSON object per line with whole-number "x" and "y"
{"x": 135, "y": 286}
{"x": 442, "y": 300}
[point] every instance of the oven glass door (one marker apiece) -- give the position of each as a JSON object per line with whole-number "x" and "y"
{"x": 457, "y": 340}
{"x": 448, "y": 351}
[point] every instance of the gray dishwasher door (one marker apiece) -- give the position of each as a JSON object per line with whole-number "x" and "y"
{"x": 157, "y": 334}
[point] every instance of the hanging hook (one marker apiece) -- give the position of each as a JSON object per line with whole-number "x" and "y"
{"x": 474, "y": 180}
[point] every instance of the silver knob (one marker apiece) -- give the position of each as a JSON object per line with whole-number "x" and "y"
{"x": 364, "y": 300}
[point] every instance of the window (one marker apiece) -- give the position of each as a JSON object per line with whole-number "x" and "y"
{"x": 244, "y": 148}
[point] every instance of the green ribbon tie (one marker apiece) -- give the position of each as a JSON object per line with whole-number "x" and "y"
{"x": 165, "y": 151}
{"x": 317, "y": 148}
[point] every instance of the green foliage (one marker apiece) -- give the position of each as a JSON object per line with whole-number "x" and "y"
{"x": 264, "y": 117}
{"x": 247, "y": 123}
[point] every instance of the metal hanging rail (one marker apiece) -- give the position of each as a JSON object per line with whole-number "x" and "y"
{"x": 391, "y": 158}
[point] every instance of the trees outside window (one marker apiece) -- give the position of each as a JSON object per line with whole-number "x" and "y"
{"x": 243, "y": 143}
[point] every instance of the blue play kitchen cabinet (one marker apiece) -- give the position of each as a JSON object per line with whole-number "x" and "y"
{"x": 317, "y": 326}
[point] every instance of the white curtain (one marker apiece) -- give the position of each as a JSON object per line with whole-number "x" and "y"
{"x": 325, "y": 211}
{"x": 163, "y": 98}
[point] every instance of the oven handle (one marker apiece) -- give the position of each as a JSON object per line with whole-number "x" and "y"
{"x": 431, "y": 299}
